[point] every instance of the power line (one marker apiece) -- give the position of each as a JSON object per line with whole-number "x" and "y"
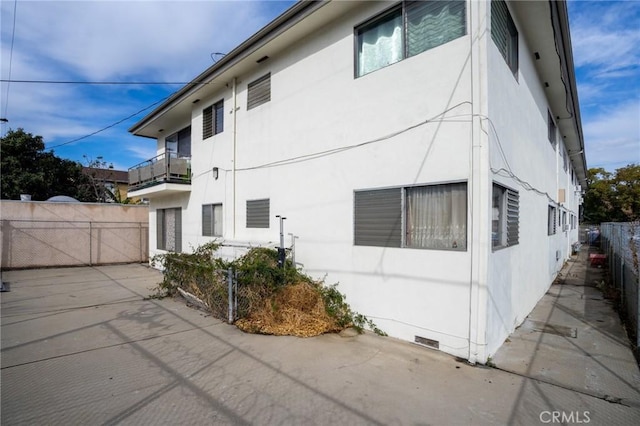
{"x": 111, "y": 125}
{"x": 104, "y": 83}
{"x": 13, "y": 36}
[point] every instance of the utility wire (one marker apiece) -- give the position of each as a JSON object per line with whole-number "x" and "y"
{"x": 13, "y": 36}
{"x": 111, "y": 125}
{"x": 104, "y": 83}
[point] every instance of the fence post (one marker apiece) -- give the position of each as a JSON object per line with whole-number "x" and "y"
{"x": 90, "y": 244}
{"x": 230, "y": 291}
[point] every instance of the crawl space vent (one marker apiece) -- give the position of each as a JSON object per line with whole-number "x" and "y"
{"x": 434, "y": 344}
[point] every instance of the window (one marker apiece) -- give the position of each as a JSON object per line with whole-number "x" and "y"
{"x": 551, "y": 129}
{"x": 212, "y": 220}
{"x": 504, "y": 33}
{"x": 551, "y": 221}
{"x": 259, "y": 91}
{"x": 564, "y": 221}
{"x": 179, "y": 144}
{"x": 407, "y": 30}
{"x": 258, "y": 213}
{"x": 428, "y": 217}
{"x": 565, "y": 159}
{"x": 169, "y": 229}
{"x": 213, "y": 120}
{"x": 505, "y": 217}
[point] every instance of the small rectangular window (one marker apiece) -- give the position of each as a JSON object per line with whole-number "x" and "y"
{"x": 212, "y": 220}
{"x": 259, "y": 91}
{"x": 551, "y": 129}
{"x": 505, "y": 220}
{"x": 213, "y": 120}
{"x": 407, "y": 30}
{"x": 378, "y": 218}
{"x": 504, "y": 33}
{"x": 258, "y": 213}
{"x": 551, "y": 221}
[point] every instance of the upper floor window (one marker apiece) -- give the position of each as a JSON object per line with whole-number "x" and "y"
{"x": 259, "y": 91}
{"x": 551, "y": 129}
{"x": 504, "y": 33}
{"x": 407, "y": 30}
{"x": 213, "y": 119}
{"x": 179, "y": 143}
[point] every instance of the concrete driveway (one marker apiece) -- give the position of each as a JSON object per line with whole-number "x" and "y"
{"x": 86, "y": 346}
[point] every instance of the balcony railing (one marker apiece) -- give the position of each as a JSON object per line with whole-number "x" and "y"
{"x": 165, "y": 168}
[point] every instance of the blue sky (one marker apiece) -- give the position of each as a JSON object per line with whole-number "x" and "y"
{"x": 142, "y": 41}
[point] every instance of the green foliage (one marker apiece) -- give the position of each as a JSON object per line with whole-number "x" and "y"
{"x": 613, "y": 197}
{"x": 28, "y": 169}
{"x": 258, "y": 274}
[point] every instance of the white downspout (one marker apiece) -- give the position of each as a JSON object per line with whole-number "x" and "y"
{"x": 479, "y": 181}
{"x": 233, "y": 166}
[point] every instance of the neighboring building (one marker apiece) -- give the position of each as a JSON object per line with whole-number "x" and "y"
{"x": 429, "y": 157}
{"x": 110, "y": 185}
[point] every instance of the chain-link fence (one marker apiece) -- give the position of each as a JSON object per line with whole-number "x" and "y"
{"x": 43, "y": 243}
{"x": 621, "y": 243}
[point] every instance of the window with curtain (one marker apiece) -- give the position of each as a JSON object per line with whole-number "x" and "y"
{"x": 436, "y": 217}
{"x": 407, "y": 30}
{"x": 428, "y": 217}
{"x": 212, "y": 220}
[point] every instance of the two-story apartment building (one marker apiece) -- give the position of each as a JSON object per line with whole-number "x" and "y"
{"x": 428, "y": 156}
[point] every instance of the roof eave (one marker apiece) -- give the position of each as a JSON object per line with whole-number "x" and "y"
{"x": 289, "y": 17}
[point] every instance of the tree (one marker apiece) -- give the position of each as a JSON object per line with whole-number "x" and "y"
{"x": 613, "y": 197}
{"x": 28, "y": 169}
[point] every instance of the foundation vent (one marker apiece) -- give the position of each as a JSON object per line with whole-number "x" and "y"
{"x": 434, "y": 344}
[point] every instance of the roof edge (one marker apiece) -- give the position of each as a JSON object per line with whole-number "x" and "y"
{"x": 281, "y": 23}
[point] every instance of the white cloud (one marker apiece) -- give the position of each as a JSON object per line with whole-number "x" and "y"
{"x": 612, "y": 137}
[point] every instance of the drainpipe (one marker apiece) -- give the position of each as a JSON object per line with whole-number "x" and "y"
{"x": 478, "y": 182}
{"x": 233, "y": 166}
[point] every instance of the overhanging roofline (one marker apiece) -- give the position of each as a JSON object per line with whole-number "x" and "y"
{"x": 283, "y": 22}
{"x": 563, "y": 40}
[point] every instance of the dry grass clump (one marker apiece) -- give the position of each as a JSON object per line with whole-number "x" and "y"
{"x": 293, "y": 310}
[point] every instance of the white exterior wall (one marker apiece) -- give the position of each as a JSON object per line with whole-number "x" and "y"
{"x": 520, "y": 275}
{"x": 317, "y": 105}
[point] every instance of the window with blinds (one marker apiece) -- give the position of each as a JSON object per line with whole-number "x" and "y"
{"x": 213, "y": 119}
{"x": 407, "y": 30}
{"x": 259, "y": 91}
{"x": 425, "y": 217}
{"x": 551, "y": 220}
{"x": 551, "y": 129}
{"x": 258, "y": 213}
{"x": 505, "y": 217}
{"x": 212, "y": 220}
{"x": 504, "y": 33}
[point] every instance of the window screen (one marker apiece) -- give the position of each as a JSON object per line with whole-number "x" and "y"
{"x": 258, "y": 213}
{"x": 259, "y": 91}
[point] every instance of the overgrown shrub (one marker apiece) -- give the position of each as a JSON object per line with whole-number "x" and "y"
{"x": 271, "y": 300}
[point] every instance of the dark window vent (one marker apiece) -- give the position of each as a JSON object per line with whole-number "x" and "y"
{"x": 427, "y": 342}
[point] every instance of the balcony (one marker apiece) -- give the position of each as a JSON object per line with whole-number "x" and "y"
{"x": 167, "y": 173}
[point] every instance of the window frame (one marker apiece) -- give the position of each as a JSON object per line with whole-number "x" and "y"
{"x": 398, "y": 234}
{"x": 161, "y": 231}
{"x": 552, "y": 130}
{"x": 377, "y": 19}
{"x": 213, "y": 119}
{"x": 552, "y": 218}
{"x": 255, "y": 97}
{"x": 511, "y": 37}
{"x": 212, "y": 225}
{"x": 257, "y": 219}
{"x": 508, "y": 217}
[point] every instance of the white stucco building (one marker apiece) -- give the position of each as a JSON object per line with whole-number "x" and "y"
{"x": 428, "y": 156}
